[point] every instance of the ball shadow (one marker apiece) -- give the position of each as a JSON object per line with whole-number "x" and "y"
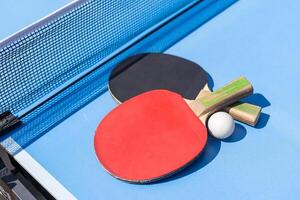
{"x": 239, "y": 133}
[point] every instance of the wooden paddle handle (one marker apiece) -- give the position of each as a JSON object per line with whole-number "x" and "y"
{"x": 244, "y": 112}
{"x": 226, "y": 95}
{"x": 241, "y": 111}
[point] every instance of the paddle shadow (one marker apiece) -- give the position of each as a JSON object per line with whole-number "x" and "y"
{"x": 258, "y": 99}
{"x": 208, "y": 154}
{"x": 263, "y": 120}
{"x": 262, "y": 101}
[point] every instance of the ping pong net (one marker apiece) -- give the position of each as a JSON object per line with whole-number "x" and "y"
{"x": 56, "y": 66}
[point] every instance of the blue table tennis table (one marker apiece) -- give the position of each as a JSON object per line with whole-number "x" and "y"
{"x": 257, "y": 39}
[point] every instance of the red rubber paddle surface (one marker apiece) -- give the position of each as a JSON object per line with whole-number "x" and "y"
{"x": 149, "y": 137}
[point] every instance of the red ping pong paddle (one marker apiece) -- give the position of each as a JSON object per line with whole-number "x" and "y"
{"x": 157, "y": 133}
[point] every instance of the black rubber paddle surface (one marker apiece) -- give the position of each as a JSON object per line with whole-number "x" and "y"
{"x": 150, "y": 71}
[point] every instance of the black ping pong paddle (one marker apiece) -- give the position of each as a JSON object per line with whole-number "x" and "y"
{"x": 150, "y": 71}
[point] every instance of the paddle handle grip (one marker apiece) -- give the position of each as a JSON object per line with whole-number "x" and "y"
{"x": 241, "y": 111}
{"x": 226, "y": 95}
{"x": 244, "y": 112}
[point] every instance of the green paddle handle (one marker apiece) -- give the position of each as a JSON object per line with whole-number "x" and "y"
{"x": 244, "y": 112}
{"x": 226, "y": 95}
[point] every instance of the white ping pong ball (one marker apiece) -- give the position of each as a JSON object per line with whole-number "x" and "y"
{"x": 221, "y": 125}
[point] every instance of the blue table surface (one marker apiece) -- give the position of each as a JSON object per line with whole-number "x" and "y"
{"x": 258, "y": 39}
